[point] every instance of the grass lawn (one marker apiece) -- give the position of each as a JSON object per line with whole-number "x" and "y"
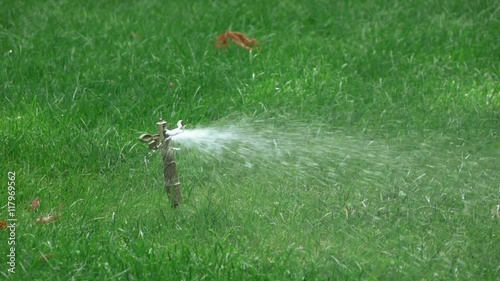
{"x": 390, "y": 112}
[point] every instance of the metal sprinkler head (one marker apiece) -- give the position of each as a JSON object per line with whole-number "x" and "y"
{"x": 162, "y": 139}
{"x": 155, "y": 141}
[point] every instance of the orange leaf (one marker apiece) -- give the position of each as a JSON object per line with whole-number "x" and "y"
{"x": 238, "y": 38}
{"x": 35, "y": 204}
{"x": 47, "y": 219}
{"x": 3, "y": 225}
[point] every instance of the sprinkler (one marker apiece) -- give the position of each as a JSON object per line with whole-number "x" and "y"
{"x": 162, "y": 141}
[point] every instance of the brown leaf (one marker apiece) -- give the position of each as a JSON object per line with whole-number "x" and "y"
{"x": 238, "y": 38}
{"x": 35, "y": 204}
{"x": 46, "y": 257}
{"x": 47, "y": 219}
{"x": 3, "y": 225}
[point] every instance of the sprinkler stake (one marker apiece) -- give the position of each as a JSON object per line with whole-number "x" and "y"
{"x": 163, "y": 140}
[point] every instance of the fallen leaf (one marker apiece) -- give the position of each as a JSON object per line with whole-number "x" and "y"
{"x": 3, "y": 225}
{"x": 46, "y": 257}
{"x": 35, "y": 204}
{"x": 238, "y": 38}
{"x": 47, "y": 219}
{"x": 135, "y": 35}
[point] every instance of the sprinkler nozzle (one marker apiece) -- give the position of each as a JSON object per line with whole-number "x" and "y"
{"x": 155, "y": 141}
{"x": 180, "y": 129}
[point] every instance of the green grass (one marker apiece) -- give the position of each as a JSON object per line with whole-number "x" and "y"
{"x": 419, "y": 78}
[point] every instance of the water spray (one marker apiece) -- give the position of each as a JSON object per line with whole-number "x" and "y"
{"x": 163, "y": 141}
{"x": 302, "y": 154}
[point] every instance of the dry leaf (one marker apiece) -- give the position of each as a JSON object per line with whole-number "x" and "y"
{"x": 3, "y": 225}
{"x": 47, "y": 219}
{"x": 35, "y": 204}
{"x": 238, "y": 38}
{"x": 135, "y": 35}
{"x": 46, "y": 257}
